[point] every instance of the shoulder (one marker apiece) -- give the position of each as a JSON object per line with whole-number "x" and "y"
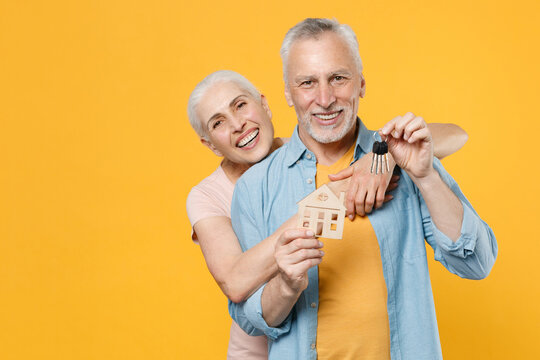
{"x": 215, "y": 183}
{"x": 210, "y": 197}
{"x": 257, "y": 184}
{"x": 259, "y": 173}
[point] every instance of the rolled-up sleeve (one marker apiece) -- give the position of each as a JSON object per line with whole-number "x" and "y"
{"x": 248, "y": 315}
{"x": 473, "y": 254}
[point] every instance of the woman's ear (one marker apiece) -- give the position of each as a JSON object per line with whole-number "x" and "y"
{"x": 211, "y": 146}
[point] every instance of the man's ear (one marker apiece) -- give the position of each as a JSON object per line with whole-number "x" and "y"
{"x": 362, "y": 86}
{"x": 211, "y": 146}
{"x": 265, "y": 106}
{"x": 288, "y": 96}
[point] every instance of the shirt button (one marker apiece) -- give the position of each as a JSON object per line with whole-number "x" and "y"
{"x": 313, "y": 305}
{"x": 298, "y": 162}
{"x": 308, "y": 156}
{"x": 312, "y": 346}
{"x": 309, "y": 181}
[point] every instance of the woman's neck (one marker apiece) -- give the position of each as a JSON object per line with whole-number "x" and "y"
{"x": 234, "y": 170}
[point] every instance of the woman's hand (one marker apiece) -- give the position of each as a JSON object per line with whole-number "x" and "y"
{"x": 365, "y": 191}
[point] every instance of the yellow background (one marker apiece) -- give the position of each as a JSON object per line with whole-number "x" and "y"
{"x": 97, "y": 158}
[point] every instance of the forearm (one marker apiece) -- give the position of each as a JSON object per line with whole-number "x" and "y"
{"x": 251, "y": 269}
{"x": 277, "y": 301}
{"x": 238, "y": 274}
{"x": 444, "y": 206}
{"x": 447, "y": 139}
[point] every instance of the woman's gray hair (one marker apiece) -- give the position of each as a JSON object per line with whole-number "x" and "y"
{"x": 205, "y": 84}
{"x": 313, "y": 28}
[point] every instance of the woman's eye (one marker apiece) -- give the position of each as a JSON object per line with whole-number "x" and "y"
{"x": 216, "y": 124}
{"x": 240, "y": 105}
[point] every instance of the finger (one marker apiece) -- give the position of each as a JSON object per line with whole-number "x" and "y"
{"x": 420, "y": 135}
{"x": 379, "y": 198}
{"x": 343, "y": 174}
{"x": 359, "y": 202}
{"x": 387, "y": 198}
{"x": 349, "y": 199}
{"x": 301, "y": 244}
{"x": 401, "y": 124}
{"x": 292, "y": 234}
{"x": 302, "y": 267}
{"x": 369, "y": 200}
{"x": 304, "y": 254}
{"x": 393, "y": 183}
{"x": 389, "y": 126}
{"x": 416, "y": 124}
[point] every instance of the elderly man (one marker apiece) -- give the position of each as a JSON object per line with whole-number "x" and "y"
{"x": 367, "y": 296}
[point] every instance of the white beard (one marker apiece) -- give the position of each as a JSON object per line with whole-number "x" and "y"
{"x": 326, "y": 135}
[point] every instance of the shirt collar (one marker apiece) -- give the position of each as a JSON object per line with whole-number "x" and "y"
{"x": 364, "y": 143}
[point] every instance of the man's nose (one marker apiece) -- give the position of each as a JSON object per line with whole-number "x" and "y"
{"x": 325, "y": 95}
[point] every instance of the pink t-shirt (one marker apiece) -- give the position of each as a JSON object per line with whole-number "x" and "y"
{"x": 213, "y": 197}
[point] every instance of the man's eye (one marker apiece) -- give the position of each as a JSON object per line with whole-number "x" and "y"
{"x": 306, "y": 83}
{"x": 339, "y": 78}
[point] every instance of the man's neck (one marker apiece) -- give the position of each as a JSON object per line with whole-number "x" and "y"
{"x": 328, "y": 154}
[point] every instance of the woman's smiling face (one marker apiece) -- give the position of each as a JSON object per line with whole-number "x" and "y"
{"x": 237, "y": 125}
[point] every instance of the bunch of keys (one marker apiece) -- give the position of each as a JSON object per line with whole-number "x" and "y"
{"x": 380, "y": 157}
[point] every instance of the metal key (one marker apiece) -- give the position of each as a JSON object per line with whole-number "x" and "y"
{"x": 380, "y": 157}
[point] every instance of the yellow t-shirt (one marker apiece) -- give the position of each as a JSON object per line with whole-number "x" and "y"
{"x": 352, "y": 316}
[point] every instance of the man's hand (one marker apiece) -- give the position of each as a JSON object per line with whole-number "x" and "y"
{"x": 297, "y": 250}
{"x": 410, "y": 143}
{"x": 364, "y": 190}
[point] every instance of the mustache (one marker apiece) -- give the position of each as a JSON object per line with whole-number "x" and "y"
{"x": 330, "y": 109}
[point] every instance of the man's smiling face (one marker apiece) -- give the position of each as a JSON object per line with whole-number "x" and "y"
{"x": 324, "y": 86}
{"x": 237, "y": 125}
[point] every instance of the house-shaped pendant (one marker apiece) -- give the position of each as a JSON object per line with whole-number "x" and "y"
{"x": 323, "y": 213}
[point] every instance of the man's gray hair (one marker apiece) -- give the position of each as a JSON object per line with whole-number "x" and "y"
{"x": 205, "y": 84}
{"x": 313, "y": 28}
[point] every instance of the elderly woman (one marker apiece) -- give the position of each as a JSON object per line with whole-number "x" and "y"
{"x": 233, "y": 120}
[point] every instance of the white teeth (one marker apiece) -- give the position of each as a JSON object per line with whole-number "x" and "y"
{"x": 327, "y": 117}
{"x": 248, "y": 138}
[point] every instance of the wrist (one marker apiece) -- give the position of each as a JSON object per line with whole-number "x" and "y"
{"x": 288, "y": 290}
{"x": 427, "y": 182}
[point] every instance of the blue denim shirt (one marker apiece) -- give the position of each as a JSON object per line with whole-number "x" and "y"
{"x": 267, "y": 195}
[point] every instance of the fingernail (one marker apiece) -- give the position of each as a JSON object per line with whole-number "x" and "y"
{"x": 310, "y": 233}
{"x": 320, "y": 244}
{"x": 322, "y": 252}
{"x": 351, "y": 216}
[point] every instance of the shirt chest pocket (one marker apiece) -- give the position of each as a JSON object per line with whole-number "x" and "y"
{"x": 403, "y": 227}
